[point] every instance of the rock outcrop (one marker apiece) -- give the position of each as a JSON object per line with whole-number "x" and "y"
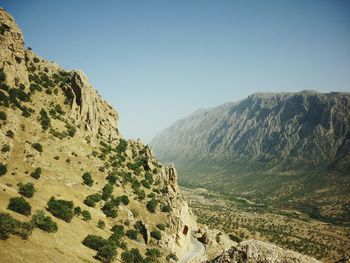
{"x": 252, "y": 251}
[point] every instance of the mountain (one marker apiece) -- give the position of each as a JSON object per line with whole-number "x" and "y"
{"x": 286, "y": 149}
{"x": 72, "y": 189}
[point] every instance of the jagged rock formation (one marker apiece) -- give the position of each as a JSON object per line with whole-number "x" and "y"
{"x": 283, "y": 128}
{"x": 250, "y": 147}
{"x": 252, "y": 251}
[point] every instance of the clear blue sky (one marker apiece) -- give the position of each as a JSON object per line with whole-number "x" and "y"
{"x": 158, "y": 61}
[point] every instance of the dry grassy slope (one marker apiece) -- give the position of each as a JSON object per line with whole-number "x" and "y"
{"x": 65, "y": 158}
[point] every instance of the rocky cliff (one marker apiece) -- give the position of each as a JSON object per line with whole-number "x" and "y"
{"x": 72, "y": 189}
{"x": 290, "y": 149}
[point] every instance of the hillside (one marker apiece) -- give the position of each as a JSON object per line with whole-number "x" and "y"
{"x": 289, "y": 149}
{"x": 73, "y": 190}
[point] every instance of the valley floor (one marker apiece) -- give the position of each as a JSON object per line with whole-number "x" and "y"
{"x": 286, "y": 228}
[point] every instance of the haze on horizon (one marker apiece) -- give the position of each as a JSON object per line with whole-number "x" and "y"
{"x": 158, "y": 61}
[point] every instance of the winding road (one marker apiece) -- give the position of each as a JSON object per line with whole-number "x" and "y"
{"x": 197, "y": 250}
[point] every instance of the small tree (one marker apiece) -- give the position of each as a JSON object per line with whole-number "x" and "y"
{"x": 118, "y": 230}
{"x": 108, "y": 252}
{"x": 27, "y": 189}
{"x": 152, "y": 205}
{"x": 88, "y": 179}
{"x": 44, "y": 222}
{"x": 124, "y": 199}
{"x": 36, "y": 174}
{"x": 132, "y": 256}
{"x": 38, "y": 147}
{"x": 156, "y": 234}
{"x": 132, "y": 234}
{"x": 20, "y": 205}
{"x": 3, "y": 169}
{"x": 94, "y": 242}
{"x": 61, "y": 208}
{"x": 86, "y": 215}
{"x": 77, "y": 211}
{"x": 153, "y": 253}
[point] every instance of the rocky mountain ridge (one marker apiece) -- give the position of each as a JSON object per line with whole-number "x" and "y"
{"x": 71, "y": 186}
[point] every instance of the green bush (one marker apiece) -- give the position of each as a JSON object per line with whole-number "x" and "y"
{"x": 3, "y": 116}
{"x": 146, "y": 184}
{"x": 152, "y": 205}
{"x": 122, "y": 146}
{"x": 109, "y": 210}
{"x": 61, "y": 209}
{"x": 101, "y": 224}
{"x": 111, "y": 178}
{"x": 107, "y": 252}
{"x": 132, "y": 256}
{"x": 107, "y": 191}
{"x": 149, "y": 177}
{"x": 87, "y": 179}
{"x": 10, "y": 226}
{"x": 156, "y": 234}
{"x": 153, "y": 253}
{"x": 86, "y": 215}
{"x": 38, "y": 147}
{"x": 124, "y": 200}
{"x": 161, "y": 226}
{"x": 118, "y": 230}
{"x": 235, "y": 238}
{"x": 3, "y": 169}
{"x": 132, "y": 234}
{"x": 140, "y": 194}
{"x": 165, "y": 208}
{"x": 94, "y": 242}
{"x": 6, "y": 148}
{"x": 44, "y": 120}
{"x": 20, "y": 205}
{"x": 44, "y": 222}
{"x": 2, "y": 73}
{"x": 27, "y": 189}
{"x": 91, "y": 200}
{"x": 77, "y": 211}
{"x": 36, "y": 174}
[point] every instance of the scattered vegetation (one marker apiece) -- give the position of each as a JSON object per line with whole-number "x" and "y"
{"x": 27, "y": 189}
{"x": 88, "y": 179}
{"x": 44, "y": 222}
{"x": 20, "y": 205}
{"x": 36, "y": 173}
{"x": 61, "y": 209}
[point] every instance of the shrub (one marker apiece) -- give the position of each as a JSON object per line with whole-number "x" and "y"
{"x": 107, "y": 191}
{"x": 3, "y": 169}
{"x": 108, "y": 252}
{"x": 235, "y": 238}
{"x": 141, "y": 228}
{"x": 2, "y": 75}
{"x": 44, "y": 222}
{"x": 153, "y": 253}
{"x": 156, "y": 234}
{"x": 77, "y": 211}
{"x": 140, "y": 194}
{"x": 10, "y": 134}
{"x": 44, "y": 119}
{"x": 71, "y": 130}
{"x": 111, "y": 178}
{"x": 9, "y": 225}
{"x": 109, "y": 210}
{"x": 27, "y": 189}
{"x": 122, "y": 146}
{"x": 61, "y": 208}
{"x": 152, "y": 205}
{"x": 161, "y": 226}
{"x": 149, "y": 177}
{"x": 3, "y": 116}
{"x": 171, "y": 256}
{"x": 36, "y": 174}
{"x": 87, "y": 179}
{"x": 132, "y": 234}
{"x": 132, "y": 256}
{"x": 91, "y": 200}
{"x": 5, "y": 148}
{"x": 94, "y": 242}
{"x": 118, "y": 230}
{"x": 146, "y": 184}
{"x": 36, "y": 60}
{"x": 86, "y": 215}
{"x": 101, "y": 224}
{"x": 165, "y": 208}
{"x": 20, "y": 205}
{"x": 38, "y": 147}
{"x": 124, "y": 200}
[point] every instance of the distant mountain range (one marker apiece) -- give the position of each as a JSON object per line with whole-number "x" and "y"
{"x": 279, "y": 148}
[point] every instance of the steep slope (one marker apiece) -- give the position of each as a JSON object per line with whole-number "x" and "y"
{"x": 288, "y": 147}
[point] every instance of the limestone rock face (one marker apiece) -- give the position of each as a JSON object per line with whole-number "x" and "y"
{"x": 12, "y": 54}
{"x": 252, "y": 251}
{"x": 89, "y": 110}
